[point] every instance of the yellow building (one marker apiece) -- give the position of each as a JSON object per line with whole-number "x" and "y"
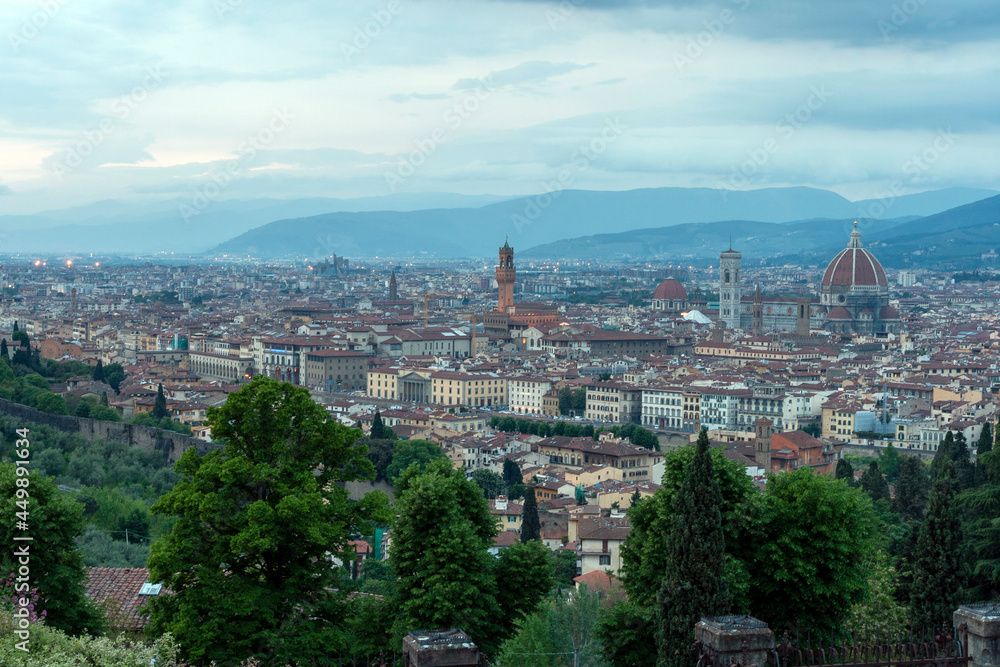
{"x": 446, "y": 388}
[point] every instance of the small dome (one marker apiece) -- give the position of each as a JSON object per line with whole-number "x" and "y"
{"x": 839, "y": 313}
{"x": 670, "y": 290}
{"x": 888, "y": 313}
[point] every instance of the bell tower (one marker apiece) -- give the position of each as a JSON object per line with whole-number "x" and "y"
{"x": 729, "y": 287}
{"x": 506, "y": 276}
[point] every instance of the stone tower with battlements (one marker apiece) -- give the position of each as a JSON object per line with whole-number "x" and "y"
{"x": 506, "y": 276}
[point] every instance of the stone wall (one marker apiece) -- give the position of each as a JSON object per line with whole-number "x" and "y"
{"x": 873, "y": 451}
{"x": 171, "y": 445}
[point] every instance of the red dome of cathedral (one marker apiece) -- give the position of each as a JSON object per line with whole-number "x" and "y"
{"x": 670, "y": 289}
{"x": 855, "y": 266}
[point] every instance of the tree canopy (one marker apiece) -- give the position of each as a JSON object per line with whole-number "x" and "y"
{"x": 247, "y": 559}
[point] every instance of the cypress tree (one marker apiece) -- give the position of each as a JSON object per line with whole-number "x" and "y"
{"x": 511, "y": 474}
{"x": 984, "y": 446}
{"x": 694, "y": 584}
{"x": 99, "y": 371}
{"x": 636, "y": 497}
{"x": 874, "y": 483}
{"x": 530, "y": 529}
{"x": 160, "y": 404}
{"x": 15, "y": 326}
{"x": 937, "y": 572}
{"x": 3, "y": 350}
{"x": 378, "y": 428}
{"x": 964, "y": 471}
{"x": 845, "y": 471}
{"x": 943, "y": 456}
{"x": 912, "y": 487}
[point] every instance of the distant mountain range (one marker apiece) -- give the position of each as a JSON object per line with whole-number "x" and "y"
{"x": 547, "y": 219}
{"x": 957, "y": 238}
{"x": 767, "y": 222}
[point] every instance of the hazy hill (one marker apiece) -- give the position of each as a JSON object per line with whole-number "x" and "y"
{"x": 532, "y": 221}
{"x": 957, "y": 237}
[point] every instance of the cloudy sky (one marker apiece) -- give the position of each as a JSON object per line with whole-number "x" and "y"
{"x": 156, "y": 99}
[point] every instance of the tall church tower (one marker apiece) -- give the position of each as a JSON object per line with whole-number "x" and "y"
{"x": 729, "y": 287}
{"x": 758, "y": 313}
{"x": 506, "y": 276}
{"x": 764, "y": 429}
{"x": 393, "y": 286}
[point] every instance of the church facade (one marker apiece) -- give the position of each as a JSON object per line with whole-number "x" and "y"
{"x": 854, "y": 298}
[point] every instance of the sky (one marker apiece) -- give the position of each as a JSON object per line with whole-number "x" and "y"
{"x": 166, "y": 99}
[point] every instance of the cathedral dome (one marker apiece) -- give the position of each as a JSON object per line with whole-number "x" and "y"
{"x": 839, "y": 313}
{"x": 855, "y": 267}
{"x": 670, "y": 290}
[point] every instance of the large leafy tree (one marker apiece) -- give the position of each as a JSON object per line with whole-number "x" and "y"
{"x": 845, "y": 471}
{"x": 983, "y": 446}
{"x": 983, "y": 527}
{"x": 695, "y": 584}
{"x": 937, "y": 573}
{"x": 562, "y": 632}
{"x": 408, "y": 452}
{"x": 814, "y": 537}
{"x": 248, "y": 559}
{"x": 56, "y": 564}
{"x": 644, "y": 561}
{"x": 524, "y": 577}
{"x": 441, "y": 535}
{"x": 490, "y": 482}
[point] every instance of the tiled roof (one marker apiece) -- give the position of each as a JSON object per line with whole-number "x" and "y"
{"x": 117, "y": 589}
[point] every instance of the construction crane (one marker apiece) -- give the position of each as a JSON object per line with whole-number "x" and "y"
{"x": 427, "y": 297}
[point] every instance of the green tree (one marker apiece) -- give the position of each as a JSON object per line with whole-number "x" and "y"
{"x": 845, "y": 471}
{"x": 811, "y": 543}
{"x": 937, "y": 572}
{"x": 99, "y": 371}
{"x": 4, "y": 354}
{"x": 524, "y": 578}
{"x": 83, "y": 409}
{"x": 441, "y": 535}
{"x": 56, "y": 566}
{"x": 965, "y": 472}
{"x": 490, "y": 482}
{"x": 944, "y": 457}
{"x": 564, "y": 629}
{"x": 380, "y": 431}
{"x": 695, "y": 584}
{"x": 604, "y": 377}
{"x": 983, "y": 527}
{"x": 889, "y": 463}
{"x": 52, "y": 403}
{"x": 879, "y": 614}
{"x": 409, "y": 452}
{"x": 624, "y": 632}
{"x": 248, "y": 557}
{"x": 511, "y": 473}
{"x": 563, "y": 568}
{"x": 379, "y": 453}
{"x": 530, "y": 527}
{"x": 983, "y": 446}
{"x": 160, "y": 404}
{"x": 912, "y": 488}
{"x": 874, "y": 483}
{"x": 114, "y": 375}
{"x": 644, "y": 562}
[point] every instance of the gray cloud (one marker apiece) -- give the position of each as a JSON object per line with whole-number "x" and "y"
{"x": 526, "y": 76}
